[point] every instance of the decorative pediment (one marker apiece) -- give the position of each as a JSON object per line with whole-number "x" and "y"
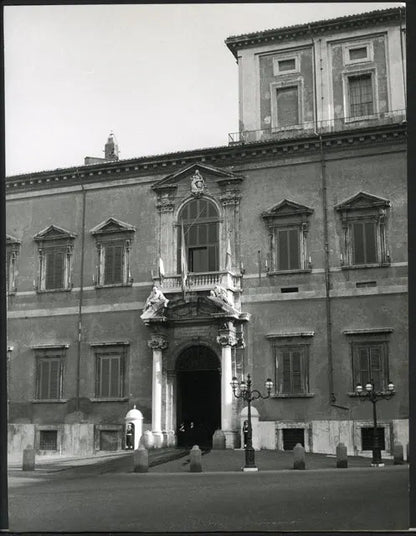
{"x": 12, "y": 241}
{"x": 112, "y": 225}
{"x": 53, "y": 232}
{"x": 196, "y": 170}
{"x": 363, "y": 201}
{"x": 200, "y": 308}
{"x": 286, "y": 208}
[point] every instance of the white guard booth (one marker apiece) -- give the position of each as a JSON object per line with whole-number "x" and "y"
{"x": 133, "y": 424}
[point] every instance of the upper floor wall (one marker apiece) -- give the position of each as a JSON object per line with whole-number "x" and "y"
{"x": 325, "y": 77}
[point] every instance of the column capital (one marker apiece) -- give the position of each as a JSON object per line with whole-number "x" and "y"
{"x": 227, "y": 335}
{"x": 157, "y": 342}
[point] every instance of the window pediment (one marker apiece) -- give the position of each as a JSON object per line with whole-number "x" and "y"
{"x": 170, "y": 183}
{"x": 287, "y": 211}
{"x": 112, "y": 225}
{"x": 53, "y": 232}
{"x": 363, "y": 201}
{"x": 12, "y": 241}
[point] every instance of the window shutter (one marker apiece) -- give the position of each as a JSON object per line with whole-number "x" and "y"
{"x": 296, "y": 372}
{"x": 54, "y": 379}
{"x": 294, "y": 249}
{"x": 286, "y": 372}
{"x": 113, "y": 264}
{"x": 115, "y": 376}
{"x": 55, "y": 259}
{"x": 287, "y": 106}
{"x": 370, "y": 242}
{"x": 283, "y": 248}
{"x": 361, "y": 95}
{"x": 105, "y": 377}
{"x": 376, "y": 367}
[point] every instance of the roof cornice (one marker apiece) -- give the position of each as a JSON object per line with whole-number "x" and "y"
{"x": 317, "y": 28}
{"x": 225, "y": 156}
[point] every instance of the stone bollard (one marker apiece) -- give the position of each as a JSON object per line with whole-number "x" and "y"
{"x": 196, "y": 465}
{"x": 147, "y": 440}
{"x": 398, "y": 454}
{"x": 342, "y": 460}
{"x": 141, "y": 460}
{"x": 28, "y": 459}
{"x": 299, "y": 457}
{"x": 218, "y": 440}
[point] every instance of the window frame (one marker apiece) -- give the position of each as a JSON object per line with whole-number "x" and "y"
{"x": 346, "y": 76}
{"x": 284, "y": 84}
{"x": 110, "y": 351}
{"x": 12, "y": 252}
{"x": 291, "y": 342}
{"x": 354, "y": 45}
{"x": 287, "y": 216}
{"x": 208, "y": 220}
{"x": 58, "y": 239}
{"x": 383, "y": 346}
{"x": 111, "y": 233}
{"x": 48, "y": 355}
{"x": 285, "y": 57}
{"x": 364, "y": 208}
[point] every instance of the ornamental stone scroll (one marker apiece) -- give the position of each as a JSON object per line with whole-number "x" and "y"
{"x": 157, "y": 342}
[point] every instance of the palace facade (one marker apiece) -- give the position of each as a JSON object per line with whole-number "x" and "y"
{"x": 152, "y": 282}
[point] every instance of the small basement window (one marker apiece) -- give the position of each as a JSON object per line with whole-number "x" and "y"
{"x": 367, "y": 438}
{"x": 293, "y": 436}
{"x": 362, "y": 284}
{"x": 109, "y": 439}
{"x": 289, "y": 289}
{"x": 48, "y": 440}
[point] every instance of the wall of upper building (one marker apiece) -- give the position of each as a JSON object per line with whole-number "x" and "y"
{"x": 348, "y": 69}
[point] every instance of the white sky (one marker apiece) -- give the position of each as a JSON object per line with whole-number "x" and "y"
{"x": 159, "y": 76}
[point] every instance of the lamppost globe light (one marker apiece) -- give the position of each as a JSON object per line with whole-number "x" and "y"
{"x": 234, "y": 383}
{"x": 390, "y": 387}
{"x": 269, "y": 384}
{"x": 243, "y": 386}
{"x": 369, "y": 387}
{"x": 359, "y": 388}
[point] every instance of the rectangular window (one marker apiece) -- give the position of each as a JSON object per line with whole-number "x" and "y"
{"x": 291, "y": 367}
{"x": 113, "y": 263}
{"x": 287, "y": 102}
{"x": 288, "y": 251}
{"x": 361, "y": 99}
{"x": 109, "y": 439}
{"x": 370, "y": 364}
{"x": 49, "y": 371}
{"x": 293, "y": 436}
{"x": 364, "y": 244}
{"x": 54, "y": 268}
{"x": 110, "y": 374}
{"x": 287, "y": 65}
{"x": 367, "y": 438}
{"x": 48, "y": 440}
{"x": 357, "y": 54}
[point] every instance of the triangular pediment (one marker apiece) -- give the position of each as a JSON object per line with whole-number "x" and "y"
{"x": 219, "y": 175}
{"x": 112, "y": 225}
{"x": 12, "y": 241}
{"x": 363, "y": 200}
{"x": 287, "y": 208}
{"x": 53, "y": 232}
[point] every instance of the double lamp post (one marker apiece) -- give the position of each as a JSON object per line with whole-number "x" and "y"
{"x": 243, "y": 390}
{"x": 371, "y": 394}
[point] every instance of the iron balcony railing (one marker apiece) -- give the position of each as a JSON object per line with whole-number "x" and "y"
{"x": 320, "y": 127}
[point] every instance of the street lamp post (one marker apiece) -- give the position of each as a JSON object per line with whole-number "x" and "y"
{"x": 248, "y": 395}
{"x": 374, "y": 396}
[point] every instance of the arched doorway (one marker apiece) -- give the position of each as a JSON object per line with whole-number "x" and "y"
{"x": 198, "y": 396}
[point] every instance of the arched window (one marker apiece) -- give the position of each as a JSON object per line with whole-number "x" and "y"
{"x": 200, "y": 222}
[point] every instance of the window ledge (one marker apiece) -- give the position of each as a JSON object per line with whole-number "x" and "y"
{"x": 110, "y": 399}
{"x": 361, "y": 118}
{"x": 50, "y": 401}
{"x": 115, "y": 285}
{"x": 297, "y": 395}
{"x": 48, "y": 291}
{"x": 361, "y": 266}
{"x": 284, "y": 272}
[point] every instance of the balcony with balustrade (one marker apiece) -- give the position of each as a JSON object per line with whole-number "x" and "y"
{"x": 198, "y": 282}
{"x": 331, "y": 126}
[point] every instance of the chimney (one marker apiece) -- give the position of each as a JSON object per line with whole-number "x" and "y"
{"x": 111, "y": 149}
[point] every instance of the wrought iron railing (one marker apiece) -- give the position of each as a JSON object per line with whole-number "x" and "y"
{"x": 320, "y": 127}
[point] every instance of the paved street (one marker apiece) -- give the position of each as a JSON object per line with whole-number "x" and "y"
{"x": 357, "y": 498}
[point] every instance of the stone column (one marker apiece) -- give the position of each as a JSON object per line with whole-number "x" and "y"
{"x": 227, "y": 339}
{"x": 157, "y": 343}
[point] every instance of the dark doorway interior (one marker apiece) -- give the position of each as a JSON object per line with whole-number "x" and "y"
{"x": 199, "y": 397}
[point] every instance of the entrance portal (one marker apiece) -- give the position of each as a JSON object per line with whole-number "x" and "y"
{"x": 198, "y": 396}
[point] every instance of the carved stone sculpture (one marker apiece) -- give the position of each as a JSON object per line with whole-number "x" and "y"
{"x": 197, "y": 184}
{"x": 156, "y": 302}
